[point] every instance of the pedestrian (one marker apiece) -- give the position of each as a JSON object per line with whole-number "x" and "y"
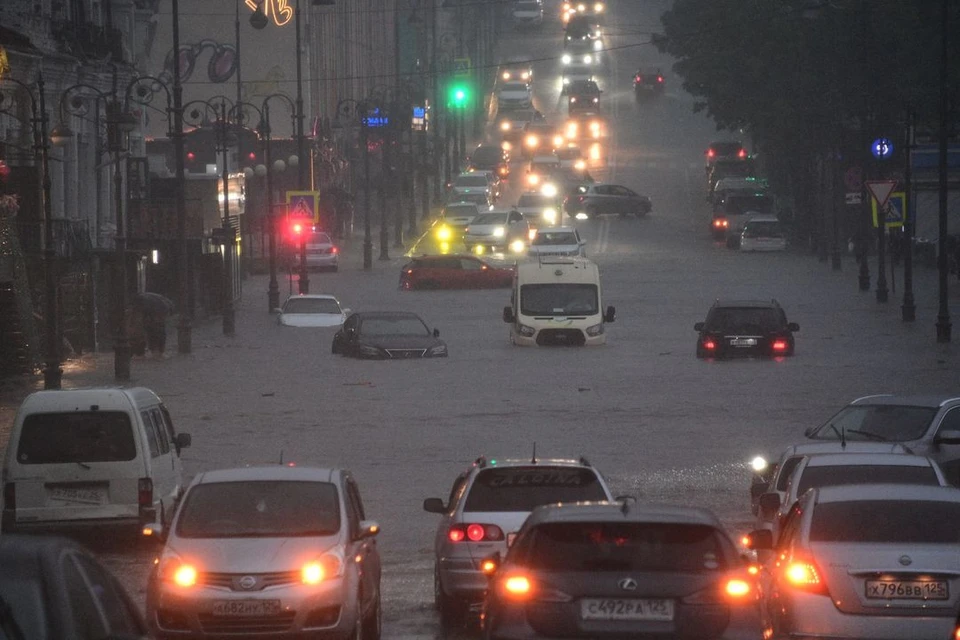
{"x": 154, "y": 309}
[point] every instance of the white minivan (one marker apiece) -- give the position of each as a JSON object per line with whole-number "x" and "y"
{"x": 85, "y": 458}
{"x": 557, "y": 301}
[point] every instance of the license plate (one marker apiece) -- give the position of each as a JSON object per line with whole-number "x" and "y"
{"x": 743, "y": 342}
{"x": 71, "y": 494}
{"x": 908, "y": 589}
{"x": 246, "y": 607}
{"x": 623, "y": 609}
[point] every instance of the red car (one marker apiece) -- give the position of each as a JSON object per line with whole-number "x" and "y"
{"x": 453, "y": 272}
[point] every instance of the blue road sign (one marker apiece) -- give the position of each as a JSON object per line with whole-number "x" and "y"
{"x": 881, "y": 148}
{"x": 893, "y": 211}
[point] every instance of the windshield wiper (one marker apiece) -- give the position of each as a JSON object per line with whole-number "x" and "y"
{"x": 8, "y": 623}
{"x": 872, "y": 436}
{"x": 84, "y": 465}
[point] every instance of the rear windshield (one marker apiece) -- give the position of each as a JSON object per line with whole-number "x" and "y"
{"x": 735, "y": 205}
{"x": 319, "y": 238}
{"x": 865, "y": 474}
{"x": 528, "y": 200}
{"x": 763, "y": 230}
{"x": 525, "y": 488}
{"x": 260, "y": 509}
{"x": 886, "y": 521}
{"x": 623, "y": 546}
{"x": 491, "y": 155}
{"x": 311, "y": 305}
{"x": 744, "y": 320}
{"x": 472, "y": 180}
{"x": 554, "y": 237}
{"x": 77, "y": 436}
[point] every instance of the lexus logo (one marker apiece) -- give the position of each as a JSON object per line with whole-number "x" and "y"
{"x": 628, "y": 584}
{"x": 247, "y": 582}
{"x": 906, "y": 560}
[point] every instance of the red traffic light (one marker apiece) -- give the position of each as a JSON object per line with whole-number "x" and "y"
{"x": 297, "y": 228}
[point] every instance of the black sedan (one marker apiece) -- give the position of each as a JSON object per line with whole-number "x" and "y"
{"x": 745, "y": 329}
{"x": 388, "y": 335}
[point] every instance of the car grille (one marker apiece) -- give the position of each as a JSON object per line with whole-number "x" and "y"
{"x": 263, "y": 580}
{"x": 559, "y": 337}
{"x": 247, "y": 624}
{"x": 406, "y": 353}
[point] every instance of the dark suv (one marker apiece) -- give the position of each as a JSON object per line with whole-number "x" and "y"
{"x": 490, "y": 157}
{"x": 745, "y": 328}
{"x": 583, "y": 96}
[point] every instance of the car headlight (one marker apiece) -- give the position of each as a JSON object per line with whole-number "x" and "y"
{"x": 439, "y": 350}
{"x": 173, "y": 569}
{"x": 326, "y": 567}
{"x": 582, "y": 216}
{"x": 595, "y": 330}
{"x": 587, "y": 59}
{"x": 580, "y": 165}
{"x": 526, "y": 331}
{"x": 444, "y": 233}
{"x": 525, "y": 75}
{"x": 597, "y": 45}
{"x": 517, "y": 246}
{"x": 549, "y": 189}
{"x": 368, "y": 350}
{"x": 557, "y": 141}
{"x": 550, "y": 215}
{"x": 506, "y": 75}
{"x": 532, "y": 141}
{"x": 566, "y": 58}
{"x": 505, "y": 125}
{"x": 566, "y": 81}
{"x": 499, "y": 232}
{"x": 759, "y": 464}
{"x": 506, "y": 146}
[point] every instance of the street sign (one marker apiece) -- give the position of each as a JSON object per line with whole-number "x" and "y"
{"x": 853, "y": 197}
{"x": 881, "y": 190}
{"x": 375, "y": 119}
{"x": 461, "y": 67}
{"x": 894, "y": 211}
{"x": 881, "y": 148}
{"x": 304, "y": 204}
{"x": 853, "y": 179}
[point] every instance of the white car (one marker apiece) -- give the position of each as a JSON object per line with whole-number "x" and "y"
{"x": 313, "y": 310}
{"x": 557, "y": 241}
{"x": 763, "y": 233}
{"x": 321, "y": 252}
{"x": 512, "y": 123}
{"x": 527, "y": 13}
{"x": 576, "y": 71}
{"x": 538, "y": 208}
{"x": 497, "y": 230}
{"x": 514, "y": 95}
{"x": 472, "y": 182}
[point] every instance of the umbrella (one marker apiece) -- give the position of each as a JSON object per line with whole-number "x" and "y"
{"x": 153, "y": 302}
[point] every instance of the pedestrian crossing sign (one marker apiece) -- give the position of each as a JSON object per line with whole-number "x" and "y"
{"x": 894, "y": 210}
{"x": 304, "y": 204}
{"x": 461, "y": 67}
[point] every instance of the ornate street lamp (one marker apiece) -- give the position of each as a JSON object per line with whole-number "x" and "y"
{"x": 273, "y": 291}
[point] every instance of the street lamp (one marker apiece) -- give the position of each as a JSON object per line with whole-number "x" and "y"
{"x": 52, "y": 371}
{"x": 273, "y": 291}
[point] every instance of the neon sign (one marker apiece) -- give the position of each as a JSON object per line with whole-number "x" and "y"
{"x": 279, "y": 10}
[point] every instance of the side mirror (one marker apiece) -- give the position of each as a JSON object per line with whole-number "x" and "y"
{"x": 611, "y": 314}
{"x": 769, "y": 503}
{"x": 947, "y": 436}
{"x": 436, "y": 333}
{"x": 368, "y": 529}
{"x": 508, "y": 316}
{"x": 182, "y": 441}
{"x": 434, "y": 505}
{"x": 346, "y": 311}
{"x": 793, "y": 326}
{"x": 698, "y": 326}
{"x": 491, "y": 564}
{"x": 759, "y": 539}
{"x": 154, "y": 533}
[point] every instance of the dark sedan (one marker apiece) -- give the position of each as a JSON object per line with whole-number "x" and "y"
{"x": 453, "y": 272}
{"x": 388, "y": 335}
{"x": 745, "y": 329}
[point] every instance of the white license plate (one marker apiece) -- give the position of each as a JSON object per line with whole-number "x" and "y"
{"x": 907, "y": 589}
{"x": 71, "y": 494}
{"x": 246, "y": 607}
{"x": 743, "y": 342}
{"x": 626, "y": 609}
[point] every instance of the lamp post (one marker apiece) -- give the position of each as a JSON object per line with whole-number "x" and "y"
{"x": 944, "y": 326}
{"x": 273, "y": 290}
{"x": 184, "y": 277}
{"x": 52, "y": 371}
{"x": 908, "y": 309}
{"x": 350, "y": 110}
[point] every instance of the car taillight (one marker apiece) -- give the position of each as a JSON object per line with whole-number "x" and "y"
{"x": 711, "y": 153}
{"x": 516, "y": 587}
{"x": 779, "y": 345}
{"x": 742, "y": 153}
{"x": 334, "y": 250}
{"x": 720, "y": 223}
{"x": 145, "y": 492}
{"x": 659, "y": 78}
{"x": 580, "y": 198}
{"x": 474, "y": 532}
{"x": 10, "y": 496}
{"x": 709, "y": 344}
{"x": 732, "y": 589}
{"x": 638, "y": 78}
{"x": 803, "y": 574}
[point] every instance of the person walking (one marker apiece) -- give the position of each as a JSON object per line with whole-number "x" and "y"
{"x": 154, "y": 309}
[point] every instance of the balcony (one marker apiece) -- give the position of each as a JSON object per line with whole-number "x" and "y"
{"x": 86, "y": 40}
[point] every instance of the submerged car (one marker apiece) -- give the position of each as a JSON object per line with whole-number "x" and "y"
{"x": 763, "y": 233}
{"x": 453, "y": 272}
{"x": 313, "y": 310}
{"x": 277, "y": 552}
{"x": 387, "y": 335}
{"x": 745, "y": 328}
{"x": 497, "y": 230}
{"x": 557, "y": 241}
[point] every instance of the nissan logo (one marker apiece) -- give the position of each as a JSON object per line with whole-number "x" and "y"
{"x": 628, "y": 584}
{"x": 906, "y": 560}
{"x": 247, "y": 582}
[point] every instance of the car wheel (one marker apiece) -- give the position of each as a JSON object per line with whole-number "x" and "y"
{"x": 452, "y": 610}
{"x": 334, "y": 348}
{"x": 373, "y": 622}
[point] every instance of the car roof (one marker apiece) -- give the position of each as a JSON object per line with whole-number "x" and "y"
{"x": 277, "y": 472}
{"x": 314, "y": 296}
{"x": 623, "y": 512}
{"x": 385, "y": 314}
{"x": 839, "y": 447}
{"x": 492, "y": 462}
{"x": 106, "y": 398}
{"x": 912, "y": 492}
{"x": 932, "y": 401}
{"x": 757, "y": 304}
{"x": 763, "y": 218}
{"x": 557, "y": 229}
{"x": 872, "y": 459}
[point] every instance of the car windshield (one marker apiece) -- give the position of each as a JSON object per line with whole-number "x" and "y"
{"x": 744, "y": 320}
{"x": 569, "y": 153}
{"x": 523, "y": 115}
{"x": 311, "y": 305}
{"x": 623, "y": 546}
{"x": 318, "y": 238}
{"x": 479, "y": 198}
{"x": 737, "y": 204}
{"x": 526, "y": 5}
{"x": 514, "y": 86}
{"x": 471, "y": 180}
{"x": 490, "y": 218}
{"x": 76, "y": 437}
{"x": 828, "y": 476}
{"x": 887, "y": 521}
{"x": 458, "y": 211}
{"x": 532, "y": 201}
{"x": 881, "y": 422}
{"x": 559, "y": 300}
{"x": 487, "y": 155}
{"x": 394, "y": 326}
{"x": 763, "y": 230}
{"x": 525, "y": 488}
{"x": 554, "y": 237}
{"x": 259, "y": 509}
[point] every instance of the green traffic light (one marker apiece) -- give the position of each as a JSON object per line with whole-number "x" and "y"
{"x": 459, "y": 96}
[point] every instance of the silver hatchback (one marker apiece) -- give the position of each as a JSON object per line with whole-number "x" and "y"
{"x": 487, "y": 505}
{"x": 267, "y": 552}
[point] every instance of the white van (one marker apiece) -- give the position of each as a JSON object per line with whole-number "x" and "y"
{"x": 557, "y": 301}
{"x": 91, "y": 457}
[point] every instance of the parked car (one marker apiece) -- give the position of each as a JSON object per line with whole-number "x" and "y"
{"x": 52, "y": 588}
{"x": 387, "y": 335}
{"x": 311, "y": 310}
{"x": 621, "y": 569}
{"x": 874, "y": 561}
{"x": 453, "y": 272}
{"x": 745, "y": 328}
{"x": 278, "y": 551}
{"x": 587, "y": 201}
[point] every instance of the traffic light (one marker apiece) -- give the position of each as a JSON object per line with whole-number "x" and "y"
{"x": 459, "y": 95}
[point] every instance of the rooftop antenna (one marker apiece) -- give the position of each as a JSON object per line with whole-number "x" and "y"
{"x": 534, "y": 458}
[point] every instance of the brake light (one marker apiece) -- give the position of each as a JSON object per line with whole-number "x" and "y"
{"x": 334, "y": 250}
{"x": 638, "y": 78}
{"x": 742, "y": 153}
{"x": 709, "y": 345}
{"x": 145, "y": 492}
{"x": 720, "y": 223}
{"x": 779, "y": 345}
{"x": 456, "y": 535}
{"x": 475, "y": 533}
{"x": 659, "y": 78}
{"x": 517, "y": 586}
{"x": 737, "y": 588}
{"x": 10, "y": 496}
{"x": 804, "y": 574}
{"x": 733, "y": 589}
{"x": 711, "y": 153}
